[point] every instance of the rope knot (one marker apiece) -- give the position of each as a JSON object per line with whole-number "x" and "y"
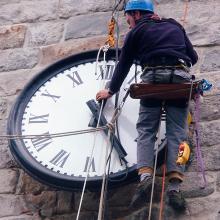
{"x": 110, "y": 126}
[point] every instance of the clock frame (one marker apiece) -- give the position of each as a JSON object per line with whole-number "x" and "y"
{"x": 28, "y": 162}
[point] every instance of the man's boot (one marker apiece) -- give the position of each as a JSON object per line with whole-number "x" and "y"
{"x": 176, "y": 200}
{"x": 142, "y": 191}
{"x": 175, "y": 197}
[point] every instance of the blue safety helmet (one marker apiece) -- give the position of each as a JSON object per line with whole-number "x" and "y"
{"x": 142, "y": 5}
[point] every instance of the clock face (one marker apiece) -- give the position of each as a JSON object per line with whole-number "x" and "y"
{"x": 55, "y": 102}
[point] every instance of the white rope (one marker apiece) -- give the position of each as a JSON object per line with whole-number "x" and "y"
{"x": 88, "y": 169}
{"x": 54, "y": 135}
{"x": 104, "y": 48}
{"x": 100, "y": 213}
{"x": 108, "y": 145}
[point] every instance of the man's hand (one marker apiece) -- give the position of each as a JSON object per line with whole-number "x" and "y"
{"x": 103, "y": 94}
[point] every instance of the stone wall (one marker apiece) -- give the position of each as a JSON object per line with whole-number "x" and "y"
{"x": 33, "y": 34}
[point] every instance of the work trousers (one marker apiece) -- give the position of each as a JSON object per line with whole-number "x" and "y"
{"x": 149, "y": 120}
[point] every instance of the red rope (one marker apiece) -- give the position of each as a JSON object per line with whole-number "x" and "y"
{"x": 162, "y": 192}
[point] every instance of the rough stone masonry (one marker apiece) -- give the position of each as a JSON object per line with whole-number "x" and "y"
{"x": 34, "y": 34}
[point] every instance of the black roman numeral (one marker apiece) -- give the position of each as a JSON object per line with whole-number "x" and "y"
{"x": 41, "y": 142}
{"x": 38, "y": 119}
{"x": 75, "y": 78}
{"x": 60, "y": 159}
{"x": 92, "y": 166}
{"x": 106, "y": 75}
{"x": 47, "y": 94}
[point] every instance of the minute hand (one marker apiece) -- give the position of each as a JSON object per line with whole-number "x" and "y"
{"x": 94, "y": 108}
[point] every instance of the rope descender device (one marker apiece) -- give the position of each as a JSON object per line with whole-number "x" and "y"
{"x": 205, "y": 85}
{"x": 183, "y": 154}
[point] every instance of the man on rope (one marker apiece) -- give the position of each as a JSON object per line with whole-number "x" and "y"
{"x": 165, "y": 54}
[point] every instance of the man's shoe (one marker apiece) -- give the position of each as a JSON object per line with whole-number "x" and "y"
{"x": 140, "y": 197}
{"x": 176, "y": 200}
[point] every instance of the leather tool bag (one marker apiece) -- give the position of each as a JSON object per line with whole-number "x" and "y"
{"x": 163, "y": 91}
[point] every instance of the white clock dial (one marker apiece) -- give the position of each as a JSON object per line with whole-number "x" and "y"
{"x": 59, "y": 105}
{"x": 55, "y": 102}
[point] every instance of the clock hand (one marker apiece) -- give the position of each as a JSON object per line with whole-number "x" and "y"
{"x": 116, "y": 143}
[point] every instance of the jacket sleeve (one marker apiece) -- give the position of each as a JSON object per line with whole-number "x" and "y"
{"x": 190, "y": 51}
{"x": 125, "y": 61}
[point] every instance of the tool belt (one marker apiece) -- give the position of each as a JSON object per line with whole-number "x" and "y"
{"x": 164, "y": 91}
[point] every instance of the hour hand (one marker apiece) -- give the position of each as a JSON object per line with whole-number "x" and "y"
{"x": 95, "y": 109}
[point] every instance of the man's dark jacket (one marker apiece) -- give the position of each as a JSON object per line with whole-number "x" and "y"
{"x": 152, "y": 39}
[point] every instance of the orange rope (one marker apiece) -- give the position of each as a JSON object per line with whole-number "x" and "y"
{"x": 185, "y": 12}
{"x": 162, "y": 192}
{"x": 111, "y": 27}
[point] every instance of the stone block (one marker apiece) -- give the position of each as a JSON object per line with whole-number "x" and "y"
{"x": 209, "y": 133}
{"x": 204, "y": 208}
{"x": 12, "y": 205}
{"x": 4, "y": 2}
{"x": 65, "y": 202}
{"x": 140, "y": 214}
{"x": 45, "y": 203}
{"x": 192, "y": 185}
{"x": 87, "y": 25}
{"x": 45, "y": 33}
{"x": 28, "y": 11}
{"x": 211, "y": 158}
{"x": 211, "y": 60}
{"x": 28, "y": 185}
{"x": 210, "y": 108}
{"x": 218, "y": 182}
{"x": 55, "y": 52}
{"x": 18, "y": 59}
{"x": 22, "y": 217}
{"x": 82, "y": 216}
{"x": 3, "y": 108}
{"x": 10, "y": 87}
{"x": 90, "y": 201}
{"x": 68, "y": 8}
{"x": 6, "y": 160}
{"x": 8, "y": 181}
{"x": 12, "y": 36}
{"x": 202, "y": 35}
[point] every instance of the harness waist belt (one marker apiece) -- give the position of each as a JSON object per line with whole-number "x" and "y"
{"x": 164, "y": 61}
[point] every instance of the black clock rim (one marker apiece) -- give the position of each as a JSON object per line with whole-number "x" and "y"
{"x": 34, "y": 168}
{"x": 26, "y": 161}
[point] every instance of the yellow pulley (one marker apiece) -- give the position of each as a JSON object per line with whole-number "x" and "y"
{"x": 183, "y": 154}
